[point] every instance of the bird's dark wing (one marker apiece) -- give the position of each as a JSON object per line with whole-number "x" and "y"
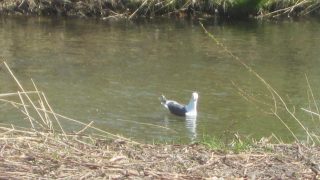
{"x": 177, "y": 109}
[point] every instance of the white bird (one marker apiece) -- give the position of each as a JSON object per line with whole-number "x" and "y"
{"x": 179, "y": 109}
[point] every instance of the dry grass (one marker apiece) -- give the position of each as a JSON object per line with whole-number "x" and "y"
{"x": 275, "y": 8}
{"x": 112, "y": 9}
{"x": 45, "y": 155}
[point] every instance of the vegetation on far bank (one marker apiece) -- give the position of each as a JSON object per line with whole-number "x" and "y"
{"x": 106, "y": 9}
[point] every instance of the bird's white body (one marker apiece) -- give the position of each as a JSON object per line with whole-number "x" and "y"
{"x": 192, "y": 106}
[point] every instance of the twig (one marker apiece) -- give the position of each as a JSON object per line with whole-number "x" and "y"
{"x": 268, "y": 86}
{"x": 26, "y": 110}
{"x": 279, "y": 141}
{"x": 310, "y": 111}
{"x": 20, "y": 86}
{"x": 295, "y": 137}
{"x": 14, "y": 94}
{"x": 309, "y": 104}
{"x": 273, "y": 12}
{"x": 48, "y": 122}
{"x": 311, "y": 8}
{"x": 13, "y": 103}
{"x": 86, "y": 127}
{"x": 284, "y": 10}
{"x": 250, "y": 98}
{"x": 92, "y": 127}
{"x": 54, "y": 114}
{"x": 23, "y": 112}
{"x": 135, "y": 12}
{"x": 311, "y": 92}
{"x": 296, "y": 5}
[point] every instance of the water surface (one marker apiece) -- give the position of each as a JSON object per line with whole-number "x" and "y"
{"x": 113, "y": 73}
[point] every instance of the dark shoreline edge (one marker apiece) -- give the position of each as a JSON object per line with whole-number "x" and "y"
{"x": 119, "y": 9}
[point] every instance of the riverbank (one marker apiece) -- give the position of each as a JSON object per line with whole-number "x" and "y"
{"x": 28, "y": 154}
{"x": 150, "y": 8}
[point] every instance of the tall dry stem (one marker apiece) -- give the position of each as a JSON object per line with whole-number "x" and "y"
{"x": 311, "y": 92}
{"x": 47, "y": 118}
{"x": 26, "y": 94}
{"x": 272, "y": 91}
{"x": 26, "y": 110}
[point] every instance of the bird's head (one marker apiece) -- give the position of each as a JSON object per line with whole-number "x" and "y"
{"x": 195, "y": 96}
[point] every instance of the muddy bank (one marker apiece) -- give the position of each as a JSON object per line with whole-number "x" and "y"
{"x": 42, "y": 155}
{"x": 151, "y": 8}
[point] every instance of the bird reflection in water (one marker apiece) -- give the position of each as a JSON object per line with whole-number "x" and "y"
{"x": 191, "y": 125}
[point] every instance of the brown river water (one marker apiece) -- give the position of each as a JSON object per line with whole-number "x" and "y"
{"x": 113, "y": 73}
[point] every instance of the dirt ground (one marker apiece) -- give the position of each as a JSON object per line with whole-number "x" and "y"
{"x": 46, "y": 157}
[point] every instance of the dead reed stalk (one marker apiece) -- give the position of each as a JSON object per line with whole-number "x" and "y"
{"x": 273, "y": 92}
{"x": 44, "y": 111}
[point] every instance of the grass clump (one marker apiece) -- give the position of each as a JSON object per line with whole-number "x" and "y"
{"x": 236, "y": 145}
{"x": 212, "y": 142}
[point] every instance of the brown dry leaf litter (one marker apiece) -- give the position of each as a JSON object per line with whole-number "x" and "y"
{"x": 47, "y": 155}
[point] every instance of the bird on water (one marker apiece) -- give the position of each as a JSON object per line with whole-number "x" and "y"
{"x": 179, "y": 109}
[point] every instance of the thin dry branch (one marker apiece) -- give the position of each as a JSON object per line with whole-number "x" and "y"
{"x": 135, "y": 12}
{"x": 311, "y": 92}
{"x": 43, "y": 100}
{"x": 48, "y": 122}
{"x": 26, "y": 110}
{"x": 286, "y": 11}
{"x": 272, "y": 91}
{"x": 289, "y": 129}
{"x": 311, "y": 8}
{"x": 26, "y": 94}
{"x": 86, "y": 127}
{"x": 54, "y": 114}
{"x": 15, "y": 94}
{"x": 12, "y": 102}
